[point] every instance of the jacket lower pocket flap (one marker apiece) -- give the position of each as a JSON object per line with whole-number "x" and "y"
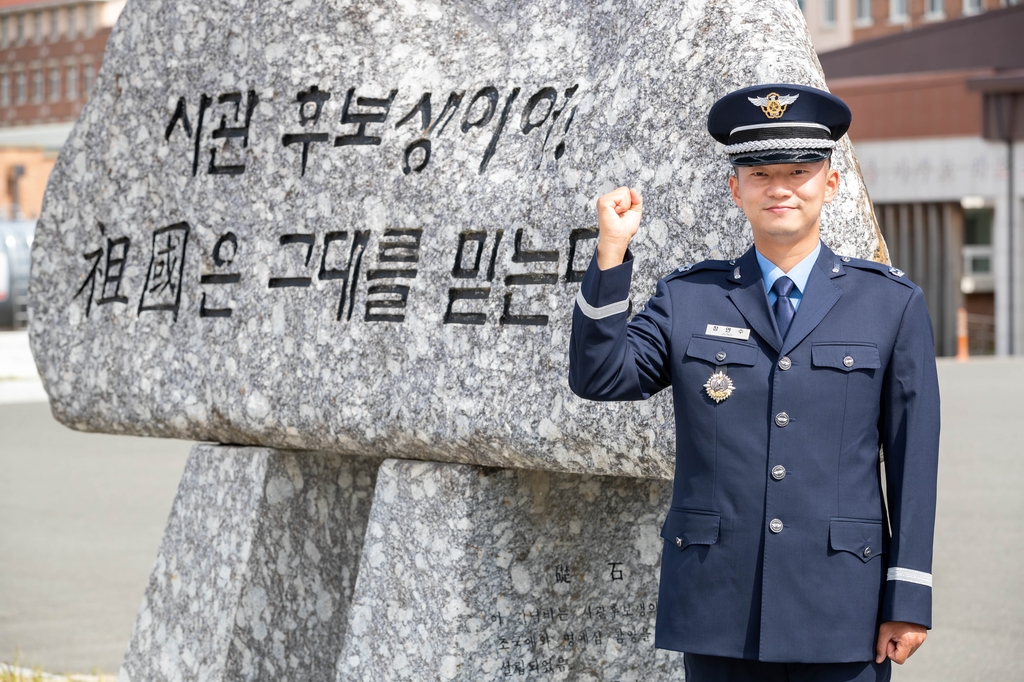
{"x": 685, "y": 528}
{"x": 722, "y": 351}
{"x": 864, "y": 539}
{"x": 845, "y": 356}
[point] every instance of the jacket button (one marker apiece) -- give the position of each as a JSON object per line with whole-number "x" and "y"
{"x": 679, "y": 542}
{"x": 779, "y": 472}
{"x": 848, "y": 361}
{"x": 782, "y": 419}
{"x": 721, "y": 356}
{"x": 867, "y": 551}
{"x": 776, "y": 526}
{"x": 785, "y": 363}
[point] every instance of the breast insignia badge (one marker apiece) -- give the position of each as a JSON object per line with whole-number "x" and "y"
{"x": 719, "y": 386}
{"x": 774, "y": 105}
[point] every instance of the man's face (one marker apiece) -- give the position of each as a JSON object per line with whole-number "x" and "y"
{"x": 783, "y": 201}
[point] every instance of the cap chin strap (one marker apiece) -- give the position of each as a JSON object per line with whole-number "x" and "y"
{"x": 769, "y": 145}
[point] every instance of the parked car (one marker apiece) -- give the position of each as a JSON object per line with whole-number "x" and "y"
{"x": 15, "y": 259}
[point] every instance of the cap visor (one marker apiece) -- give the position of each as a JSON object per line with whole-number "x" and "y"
{"x": 774, "y": 156}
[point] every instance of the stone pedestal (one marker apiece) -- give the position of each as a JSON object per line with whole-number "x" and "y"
{"x": 359, "y": 228}
{"x": 472, "y": 573}
{"x": 256, "y": 569}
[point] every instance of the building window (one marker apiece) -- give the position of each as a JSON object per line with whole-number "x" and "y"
{"x": 933, "y": 9}
{"x": 72, "y": 83}
{"x": 37, "y": 86}
{"x": 54, "y": 25}
{"x": 20, "y": 38}
{"x": 72, "y": 25}
{"x": 54, "y": 84}
{"x": 37, "y": 26}
{"x": 21, "y": 85}
{"x": 898, "y": 11}
{"x": 828, "y": 13}
{"x": 5, "y": 90}
{"x": 90, "y": 79}
{"x": 863, "y": 17}
{"x": 800, "y": 4}
{"x": 90, "y": 20}
{"x": 3, "y": 31}
{"x": 972, "y": 6}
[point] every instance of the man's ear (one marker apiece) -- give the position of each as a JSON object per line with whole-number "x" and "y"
{"x": 831, "y": 183}
{"x": 734, "y": 187}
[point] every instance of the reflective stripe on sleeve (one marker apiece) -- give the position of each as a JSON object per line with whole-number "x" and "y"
{"x": 602, "y": 312}
{"x": 910, "y": 576}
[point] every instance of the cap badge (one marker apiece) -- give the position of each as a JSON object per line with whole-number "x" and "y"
{"x": 774, "y": 105}
{"x": 719, "y": 386}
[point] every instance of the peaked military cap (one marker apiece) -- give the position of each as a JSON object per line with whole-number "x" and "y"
{"x": 778, "y": 123}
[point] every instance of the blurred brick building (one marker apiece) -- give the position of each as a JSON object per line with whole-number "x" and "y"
{"x": 837, "y": 23}
{"x": 937, "y": 93}
{"x": 878, "y": 18}
{"x": 50, "y": 53}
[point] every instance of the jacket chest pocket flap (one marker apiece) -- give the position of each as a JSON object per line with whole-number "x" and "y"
{"x": 845, "y": 356}
{"x": 683, "y": 528}
{"x": 864, "y": 539}
{"x": 722, "y": 351}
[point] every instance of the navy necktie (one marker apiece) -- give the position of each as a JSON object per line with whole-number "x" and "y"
{"x": 784, "y": 310}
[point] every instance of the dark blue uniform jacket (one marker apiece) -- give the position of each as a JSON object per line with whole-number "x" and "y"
{"x": 779, "y": 545}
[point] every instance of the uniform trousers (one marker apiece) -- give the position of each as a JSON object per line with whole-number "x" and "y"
{"x": 701, "y": 668}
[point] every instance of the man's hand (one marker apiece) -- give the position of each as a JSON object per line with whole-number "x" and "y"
{"x": 898, "y": 640}
{"x": 618, "y": 217}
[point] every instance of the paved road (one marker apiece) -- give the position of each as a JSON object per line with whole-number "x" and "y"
{"x": 979, "y": 536}
{"x": 19, "y": 382}
{"x": 81, "y": 517}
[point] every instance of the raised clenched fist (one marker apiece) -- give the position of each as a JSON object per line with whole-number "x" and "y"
{"x": 618, "y": 218}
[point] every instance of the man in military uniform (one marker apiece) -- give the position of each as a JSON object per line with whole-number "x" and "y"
{"x": 790, "y": 368}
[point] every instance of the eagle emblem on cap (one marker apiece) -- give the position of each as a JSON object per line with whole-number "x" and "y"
{"x": 774, "y": 105}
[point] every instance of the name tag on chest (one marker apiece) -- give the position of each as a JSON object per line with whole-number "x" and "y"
{"x": 728, "y": 332}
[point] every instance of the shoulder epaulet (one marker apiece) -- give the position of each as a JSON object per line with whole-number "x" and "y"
{"x": 691, "y": 268}
{"x": 895, "y": 274}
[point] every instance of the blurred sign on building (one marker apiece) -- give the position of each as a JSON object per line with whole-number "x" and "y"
{"x": 51, "y": 52}
{"x": 938, "y": 103}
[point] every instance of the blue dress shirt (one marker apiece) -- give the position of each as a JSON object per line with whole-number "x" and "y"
{"x": 799, "y": 274}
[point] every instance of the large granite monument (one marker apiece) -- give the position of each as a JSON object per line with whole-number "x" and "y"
{"x": 357, "y": 229}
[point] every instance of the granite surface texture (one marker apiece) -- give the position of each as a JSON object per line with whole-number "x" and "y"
{"x": 256, "y": 570}
{"x": 352, "y": 227}
{"x": 473, "y": 573}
